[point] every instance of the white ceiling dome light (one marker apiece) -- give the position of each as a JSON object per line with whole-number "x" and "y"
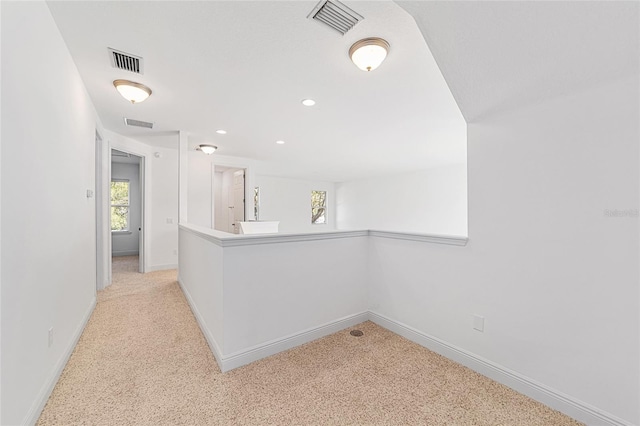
{"x": 369, "y": 53}
{"x": 132, "y": 91}
{"x": 207, "y": 149}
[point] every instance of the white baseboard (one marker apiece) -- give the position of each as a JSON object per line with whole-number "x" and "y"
{"x": 125, "y": 253}
{"x": 45, "y": 392}
{"x": 275, "y": 346}
{"x": 211, "y": 341}
{"x": 154, "y": 268}
{"x": 555, "y": 399}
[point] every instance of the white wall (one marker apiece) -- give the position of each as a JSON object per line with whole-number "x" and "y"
{"x": 201, "y": 275}
{"x": 431, "y": 201}
{"x": 270, "y": 292}
{"x": 127, "y": 243}
{"x": 161, "y": 199}
{"x": 199, "y": 199}
{"x": 554, "y": 276}
{"x": 254, "y": 297}
{"x": 48, "y": 120}
{"x": 289, "y": 201}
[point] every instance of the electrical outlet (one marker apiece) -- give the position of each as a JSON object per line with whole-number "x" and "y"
{"x": 169, "y": 220}
{"x": 478, "y": 323}
{"x": 51, "y": 337}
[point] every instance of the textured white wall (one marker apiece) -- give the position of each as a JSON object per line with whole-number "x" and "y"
{"x": 289, "y": 201}
{"x": 272, "y": 291}
{"x": 431, "y": 201}
{"x": 554, "y": 276}
{"x": 48, "y": 223}
{"x": 124, "y": 244}
{"x": 199, "y": 199}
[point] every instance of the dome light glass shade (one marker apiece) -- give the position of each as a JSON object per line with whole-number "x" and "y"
{"x": 132, "y": 91}
{"x": 367, "y": 54}
{"x": 208, "y": 149}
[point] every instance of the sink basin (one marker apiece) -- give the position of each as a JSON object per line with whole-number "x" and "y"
{"x": 259, "y": 227}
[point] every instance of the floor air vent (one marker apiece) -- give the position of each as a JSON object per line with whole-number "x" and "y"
{"x": 126, "y": 61}
{"x": 336, "y": 15}
{"x": 138, "y": 123}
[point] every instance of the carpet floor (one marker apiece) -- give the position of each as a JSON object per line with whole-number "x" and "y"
{"x": 142, "y": 360}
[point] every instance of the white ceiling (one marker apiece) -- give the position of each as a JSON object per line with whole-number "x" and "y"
{"x": 245, "y": 67}
{"x": 500, "y": 55}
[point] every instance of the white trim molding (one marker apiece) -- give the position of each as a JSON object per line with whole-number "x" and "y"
{"x": 45, "y": 392}
{"x": 249, "y": 355}
{"x": 224, "y": 239}
{"x": 453, "y": 240}
{"x": 154, "y": 268}
{"x": 555, "y": 399}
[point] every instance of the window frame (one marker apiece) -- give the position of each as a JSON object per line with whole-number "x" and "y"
{"x": 317, "y": 207}
{"x": 128, "y": 206}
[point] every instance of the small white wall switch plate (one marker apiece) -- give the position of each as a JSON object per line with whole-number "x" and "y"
{"x": 478, "y": 323}
{"x": 89, "y": 193}
{"x": 169, "y": 220}
{"x": 51, "y": 337}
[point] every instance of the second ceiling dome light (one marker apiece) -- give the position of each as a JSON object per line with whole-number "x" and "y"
{"x": 369, "y": 53}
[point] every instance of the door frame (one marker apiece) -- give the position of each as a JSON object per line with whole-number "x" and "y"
{"x": 103, "y": 236}
{"x": 145, "y": 193}
{"x": 249, "y": 179}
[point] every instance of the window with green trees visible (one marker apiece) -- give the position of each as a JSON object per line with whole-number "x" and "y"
{"x": 318, "y": 207}
{"x": 119, "y": 205}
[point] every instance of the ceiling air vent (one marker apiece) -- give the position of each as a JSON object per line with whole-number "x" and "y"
{"x": 336, "y": 15}
{"x": 126, "y": 61}
{"x": 138, "y": 123}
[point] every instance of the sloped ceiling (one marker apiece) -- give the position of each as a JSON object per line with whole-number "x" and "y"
{"x": 499, "y": 55}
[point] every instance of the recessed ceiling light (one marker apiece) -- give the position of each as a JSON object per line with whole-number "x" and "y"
{"x": 308, "y": 102}
{"x": 221, "y": 132}
{"x": 280, "y": 142}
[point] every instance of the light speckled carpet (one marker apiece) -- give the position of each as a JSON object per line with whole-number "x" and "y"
{"x": 143, "y": 361}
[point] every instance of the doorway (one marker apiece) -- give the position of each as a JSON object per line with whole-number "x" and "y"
{"x": 126, "y": 210}
{"x": 229, "y": 198}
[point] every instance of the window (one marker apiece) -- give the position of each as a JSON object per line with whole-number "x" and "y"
{"x": 119, "y": 205}
{"x": 318, "y": 207}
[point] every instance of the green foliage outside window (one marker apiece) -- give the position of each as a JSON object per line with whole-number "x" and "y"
{"x": 318, "y": 206}
{"x": 119, "y": 206}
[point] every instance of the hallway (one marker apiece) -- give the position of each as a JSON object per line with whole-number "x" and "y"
{"x": 143, "y": 361}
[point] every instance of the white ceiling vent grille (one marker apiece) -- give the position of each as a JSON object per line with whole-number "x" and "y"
{"x": 126, "y": 61}
{"x": 336, "y": 15}
{"x": 138, "y": 123}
